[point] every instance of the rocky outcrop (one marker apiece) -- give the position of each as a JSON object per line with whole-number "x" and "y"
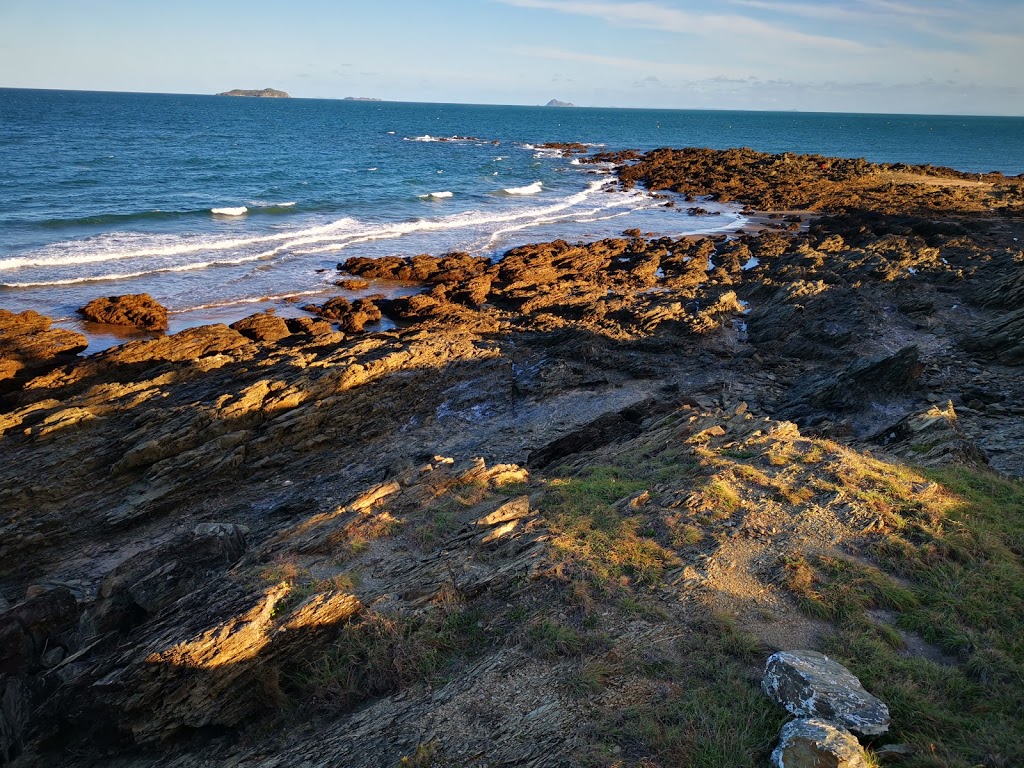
{"x": 933, "y": 437}
{"x": 29, "y": 347}
{"x": 262, "y": 327}
{"x": 1001, "y": 339}
{"x": 351, "y": 317}
{"x": 811, "y": 685}
{"x": 266, "y": 93}
{"x": 133, "y": 310}
{"x": 557, "y": 103}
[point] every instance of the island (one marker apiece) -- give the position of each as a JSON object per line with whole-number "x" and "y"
{"x": 557, "y": 103}
{"x": 266, "y": 93}
{"x": 360, "y": 98}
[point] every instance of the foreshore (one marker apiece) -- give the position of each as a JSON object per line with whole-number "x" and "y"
{"x": 557, "y": 497}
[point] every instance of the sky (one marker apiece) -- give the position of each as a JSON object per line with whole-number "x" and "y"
{"x": 897, "y": 56}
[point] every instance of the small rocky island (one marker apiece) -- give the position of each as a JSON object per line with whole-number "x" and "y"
{"x": 361, "y": 98}
{"x": 557, "y": 103}
{"x": 266, "y": 93}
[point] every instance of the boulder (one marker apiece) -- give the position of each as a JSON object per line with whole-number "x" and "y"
{"x": 811, "y": 685}
{"x": 134, "y": 310}
{"x": 262, "y": 327}
{"x": 817, "y": 744}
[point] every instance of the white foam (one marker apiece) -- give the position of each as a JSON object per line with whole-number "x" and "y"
{"x": 119, "y": 246}
{"x": 467, "y": 220}
{"x": 229, "y": 211}
{"x": 529, "y": 189}
{"x": 435, "y": 195}
{"x": 191, "y": 267}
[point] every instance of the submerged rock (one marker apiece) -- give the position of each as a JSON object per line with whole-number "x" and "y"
{"x": 809, "y": 684}
{"x": 817, "y": 744}
{"x": 138, "y": 310}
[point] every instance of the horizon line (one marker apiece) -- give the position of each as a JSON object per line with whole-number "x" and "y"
{"x": 374, "y": 100}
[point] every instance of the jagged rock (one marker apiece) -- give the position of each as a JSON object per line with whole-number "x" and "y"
{"x": 351, "y": 317}
{"x": 1002, "y": 339}
{"x": 148, "y": 582}
{"x": 262, "y": 327}
{"x": 809, "y": 684}
{"x": 308, "y": 326}
{"x": 15, "y": 713}
{"x": 134, "y": 310}
{"x": 858, "y": 382}
{"x": 931, "y": 438}
{"x": 31, "y": 627}
{"x": 28, "y": 346}
{"x": 447, "y": 269}
{"x": 816, "y": 743}
{"x": 220, "y": 675}
{"x": 618, "y": 425}
{"x": 472, "y": 292}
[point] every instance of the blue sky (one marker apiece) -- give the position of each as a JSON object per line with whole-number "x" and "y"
{"x": 944, "y": 56}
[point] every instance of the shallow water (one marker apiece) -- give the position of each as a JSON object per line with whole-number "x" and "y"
{"x": 211, "y": 202}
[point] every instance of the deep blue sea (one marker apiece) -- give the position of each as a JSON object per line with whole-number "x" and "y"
{"x": 221, "y": 206}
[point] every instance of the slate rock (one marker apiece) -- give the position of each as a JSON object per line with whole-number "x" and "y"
{"x": 811, "y": 685}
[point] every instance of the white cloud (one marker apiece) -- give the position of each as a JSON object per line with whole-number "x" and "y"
{"x": 651, "y": 15}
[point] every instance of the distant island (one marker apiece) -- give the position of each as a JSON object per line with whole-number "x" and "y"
{"x": 266, "y": 93}
{"x": 360, "y": 98}
{"x": 557, "y": 103}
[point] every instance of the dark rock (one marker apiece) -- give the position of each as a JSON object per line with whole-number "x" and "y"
{"x": 31, "y": 627}
{"x": 1001, "y": 339}
{"x": 859, "y": 382}
{"x": 811, "y": 685}
{"x": 134, "y": 310}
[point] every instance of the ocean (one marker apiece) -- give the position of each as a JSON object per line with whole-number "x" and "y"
{"x": 220, "y": 207}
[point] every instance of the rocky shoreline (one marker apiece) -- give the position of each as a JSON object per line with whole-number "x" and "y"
{"x": 207, "y": 533}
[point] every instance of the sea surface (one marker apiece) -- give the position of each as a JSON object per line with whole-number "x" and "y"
{"x": 220, "y": 206}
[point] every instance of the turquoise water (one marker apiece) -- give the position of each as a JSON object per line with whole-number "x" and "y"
{"x": 213, "y": 202}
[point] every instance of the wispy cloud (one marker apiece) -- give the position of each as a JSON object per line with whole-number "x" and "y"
{"x": 652, "y": 15}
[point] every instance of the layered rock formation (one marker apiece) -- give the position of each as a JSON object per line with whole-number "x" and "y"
{"x": 505, "y": 530}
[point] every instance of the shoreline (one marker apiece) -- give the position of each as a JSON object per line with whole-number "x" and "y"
{"x": 596, "y": 483}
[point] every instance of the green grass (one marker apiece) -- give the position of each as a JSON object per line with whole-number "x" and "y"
{"x": 707, "y": 710}
{"x": 376, "y": 655}
{"x": 958, "y": 560}
{"x": 607, "y": 542}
